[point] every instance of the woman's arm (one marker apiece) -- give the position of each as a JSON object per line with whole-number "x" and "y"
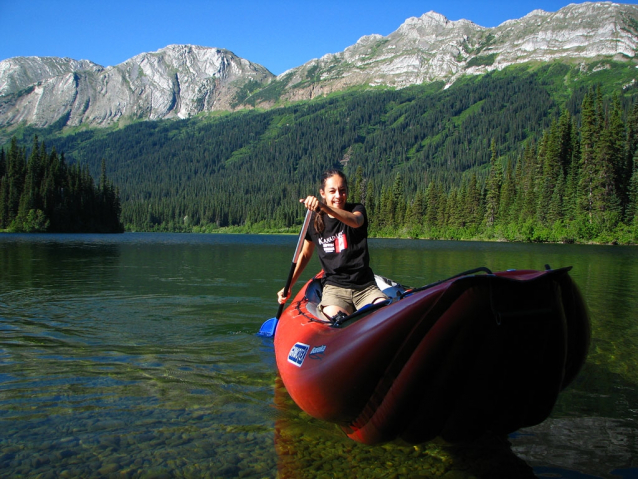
{"x": 354, "y": 220}
{"x": 304, "y": 257}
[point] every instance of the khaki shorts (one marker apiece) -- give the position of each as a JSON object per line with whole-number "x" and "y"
{"x": 349, "y": 299}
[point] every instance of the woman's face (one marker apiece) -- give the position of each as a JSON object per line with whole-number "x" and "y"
{"x": 335, "y": 192}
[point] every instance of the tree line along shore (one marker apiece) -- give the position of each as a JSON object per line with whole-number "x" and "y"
{"x": 575, "y": 180}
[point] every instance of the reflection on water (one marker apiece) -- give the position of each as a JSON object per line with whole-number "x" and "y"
{"x": 135, "y": 356}
{"x": 308, "y": 448}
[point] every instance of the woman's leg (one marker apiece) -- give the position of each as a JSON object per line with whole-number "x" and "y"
{"x": 370, "y": 295}
{"x": 335, "y": 300}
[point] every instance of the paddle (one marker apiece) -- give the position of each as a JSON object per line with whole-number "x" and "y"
{"x": 268, "y": 328}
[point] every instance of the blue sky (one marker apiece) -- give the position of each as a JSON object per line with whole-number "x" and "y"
{"x": 278, "y": 34}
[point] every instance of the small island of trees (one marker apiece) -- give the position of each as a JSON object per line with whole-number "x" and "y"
{"x": 42, "y": 193}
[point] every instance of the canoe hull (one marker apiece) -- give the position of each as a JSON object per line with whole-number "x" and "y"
{"x": 467, "y": 356}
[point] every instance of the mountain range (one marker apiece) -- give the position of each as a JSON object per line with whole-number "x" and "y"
{"x": 181, "y": 81}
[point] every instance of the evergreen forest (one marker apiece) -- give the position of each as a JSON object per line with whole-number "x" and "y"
{"x": 531, "y": 153}
{"x": 41, "y": 193}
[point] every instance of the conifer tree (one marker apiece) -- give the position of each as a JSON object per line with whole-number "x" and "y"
{"x": 432, "y": 194}
{"x": 3, "y": 163}
{"x": 452, "y": 209}
{"x": 4, "y": 190}
{"x": 370, "y": 203}
{"x": 29, "y": 199}
{"x": 473, "y": 203}
{"x": 617, "y": 136}
{"x": 460, "y": 210}
{"x": 398, "y": 199}
{"x": 528, "y": 189}
{"x": 571, "y": 197}
{"x": 386, "y": 208}
{"x": 631, "y": 148}
{"x": 519, "y": 198}
{"x": 632, "y": 207}
{"x": 551, "y": 171}
{"x": 508, "y": 196}
{"x": 16, "y": 170}
{"x": 442, "y": 212}
{"x": 565, "y": 141}
{"x": 555, "y": 206}
{"x": 587, "y": 186}
{"x": 358, "y": 187}
{"x": 416, "y": 209}
{"x": 608, "y": 204}
{"x": 493, "y": 187}
{"x": 4, "y": 202}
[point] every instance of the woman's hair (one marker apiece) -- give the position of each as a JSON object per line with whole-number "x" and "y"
{"x": 319, "y": 224}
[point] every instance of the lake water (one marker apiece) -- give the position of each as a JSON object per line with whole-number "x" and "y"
{"x": 135, "y": 355}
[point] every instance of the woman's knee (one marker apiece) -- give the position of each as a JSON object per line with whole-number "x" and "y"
{"x": 331, "y": 310}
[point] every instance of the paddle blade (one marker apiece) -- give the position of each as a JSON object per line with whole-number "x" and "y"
{"x": 267, "y": 329}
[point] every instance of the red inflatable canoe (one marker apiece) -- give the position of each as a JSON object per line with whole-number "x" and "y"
{"x": 473, "y": 354}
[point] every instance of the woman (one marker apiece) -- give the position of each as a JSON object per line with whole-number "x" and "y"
{"x": 340, "y": 235}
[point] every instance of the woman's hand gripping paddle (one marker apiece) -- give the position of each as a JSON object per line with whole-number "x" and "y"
{"x": 268, "y": 328}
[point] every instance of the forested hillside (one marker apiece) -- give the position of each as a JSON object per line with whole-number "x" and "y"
{"x": 575, "y": 184}
{"x": 532, "y": 153}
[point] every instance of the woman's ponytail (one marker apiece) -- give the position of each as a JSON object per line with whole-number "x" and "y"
{"x": 319, "y": 224}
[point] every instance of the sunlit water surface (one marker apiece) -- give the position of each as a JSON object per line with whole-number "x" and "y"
{"x": 135, "y": 355}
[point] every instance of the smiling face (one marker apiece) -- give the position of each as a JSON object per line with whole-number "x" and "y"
{"x": 335, "y": 192}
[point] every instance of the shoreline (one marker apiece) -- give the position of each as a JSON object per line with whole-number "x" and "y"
{"x": 295, "y": 232}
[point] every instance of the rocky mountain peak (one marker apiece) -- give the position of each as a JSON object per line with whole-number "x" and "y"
{"x": 21, "y": 72}
{"x": 175, "y": 81}
{"x": 433, "y": 48}
{"x": 179, "y": 81}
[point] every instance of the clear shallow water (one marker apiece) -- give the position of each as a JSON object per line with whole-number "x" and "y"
{"x": 135, "y": 356}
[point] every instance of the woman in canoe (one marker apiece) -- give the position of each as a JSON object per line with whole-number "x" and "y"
{"x": 339, "y": 233}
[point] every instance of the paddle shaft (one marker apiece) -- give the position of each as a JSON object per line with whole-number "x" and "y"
{"x": 302, "y": 236}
